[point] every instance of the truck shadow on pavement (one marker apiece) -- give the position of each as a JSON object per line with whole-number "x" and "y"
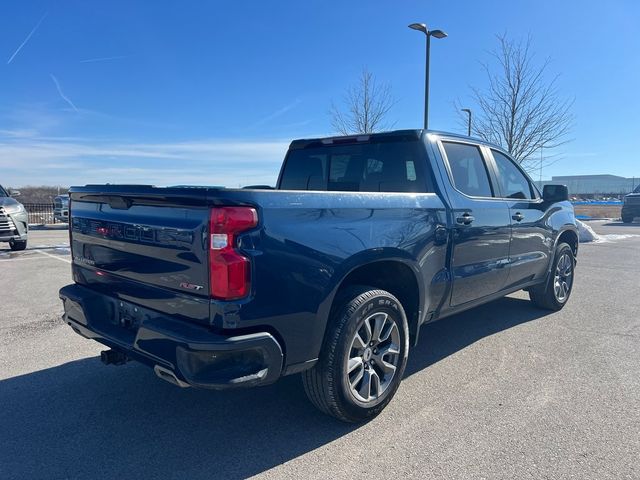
{"x": 84, "y": 420}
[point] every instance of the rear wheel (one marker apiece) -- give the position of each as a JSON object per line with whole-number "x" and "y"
{"x": 555, "y": 292}
{"x": 17, "y": 245}
{"x": 363, "y": 356}
{"x": 627, "y": 219}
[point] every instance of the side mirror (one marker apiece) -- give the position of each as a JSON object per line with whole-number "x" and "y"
{"x": 14, "y": 193}
{"x": 555, "y": 193}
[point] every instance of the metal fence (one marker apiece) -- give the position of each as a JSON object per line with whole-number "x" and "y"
{"x": 40, "y": 213}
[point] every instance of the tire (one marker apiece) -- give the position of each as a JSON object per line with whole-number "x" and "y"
{"x": 555, "y": 292}
{"x": 17, "y": 245}
{"x": 627, "y": 219}
{"x": 367, "y": 339}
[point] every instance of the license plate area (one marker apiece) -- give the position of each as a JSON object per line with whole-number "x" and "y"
{"x": 127, "y": 316}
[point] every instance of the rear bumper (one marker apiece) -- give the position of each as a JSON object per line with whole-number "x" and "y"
{"x": 61, "y": 215}
{"x": 186, "y": 354}
{"x": 12, "y": 237}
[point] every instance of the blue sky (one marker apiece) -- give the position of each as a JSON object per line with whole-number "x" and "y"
{"x": 212, "y": 92}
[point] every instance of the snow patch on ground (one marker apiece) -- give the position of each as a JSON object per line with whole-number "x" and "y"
{"x": 613, "y": 237}
{"x": 586, "y": 233}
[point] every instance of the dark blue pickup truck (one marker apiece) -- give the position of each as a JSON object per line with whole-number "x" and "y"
{"x": 331, "y": 273}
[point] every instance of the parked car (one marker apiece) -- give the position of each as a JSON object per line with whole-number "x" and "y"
{"x": 61, "y": 208}
{"x": 631, "y": 206}
{"x": 14, "y": 220}
{"x": 331, "y": 274}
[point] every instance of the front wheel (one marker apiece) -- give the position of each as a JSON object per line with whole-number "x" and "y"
{"x": 17, "y": 245}
{"x": 363, "y": 356}
{"x": 555, "y": 292}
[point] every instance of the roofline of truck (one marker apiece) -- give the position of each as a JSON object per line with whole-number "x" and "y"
{"x": 411, "y": 134}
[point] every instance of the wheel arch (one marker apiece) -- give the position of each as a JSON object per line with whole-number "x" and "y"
{"x": 569, "y": 235}
{"x": 397, "y": 275}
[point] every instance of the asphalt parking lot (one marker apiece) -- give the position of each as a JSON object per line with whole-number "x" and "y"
{"x": 502, "y": 391}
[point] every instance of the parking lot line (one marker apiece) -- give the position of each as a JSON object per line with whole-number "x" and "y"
{"x": 53, "y": 256}
{"x": 19, "y": 259}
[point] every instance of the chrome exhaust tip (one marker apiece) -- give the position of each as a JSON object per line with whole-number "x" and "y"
{"x": 169, "y": 376}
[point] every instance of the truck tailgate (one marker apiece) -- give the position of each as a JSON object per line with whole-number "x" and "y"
{"x": 143, "y": 247}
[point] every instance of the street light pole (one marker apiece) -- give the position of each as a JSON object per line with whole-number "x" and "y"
{"x": 426, "y": 83}
{"x": 429, "y": 33}
{"x": 468, "y": 110}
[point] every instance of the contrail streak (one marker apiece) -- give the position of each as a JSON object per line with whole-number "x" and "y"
{"x": 104, "y": 59}
{"x": 277, "y": 113}
{"x": 64, "y": 97}
{"x": 27, "y": 39}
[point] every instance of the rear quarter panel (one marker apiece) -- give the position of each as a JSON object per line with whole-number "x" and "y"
{"x": 308, "y": 242}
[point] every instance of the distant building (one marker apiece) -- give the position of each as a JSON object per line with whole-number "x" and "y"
{"x": 590, "y": 186}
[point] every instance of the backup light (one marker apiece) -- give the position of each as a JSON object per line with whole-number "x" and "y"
{"x": 229, "y": 270}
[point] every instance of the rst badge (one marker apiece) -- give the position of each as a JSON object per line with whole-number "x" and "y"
{"x": 191, "y": 286}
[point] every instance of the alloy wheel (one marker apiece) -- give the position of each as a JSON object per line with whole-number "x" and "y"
{"x": 374, "y": 356}
{"x": 563, "y": 279}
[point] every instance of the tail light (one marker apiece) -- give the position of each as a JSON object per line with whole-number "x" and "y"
{"x": 70, "y": 228}
{"x": 229, "y": 270}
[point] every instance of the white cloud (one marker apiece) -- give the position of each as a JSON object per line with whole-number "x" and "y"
{"x": 27, "y": 160}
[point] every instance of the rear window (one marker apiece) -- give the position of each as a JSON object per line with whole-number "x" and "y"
{"x": 361, "y": 167}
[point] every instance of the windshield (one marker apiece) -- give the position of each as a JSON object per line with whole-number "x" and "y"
{"x": 3, "y": 192}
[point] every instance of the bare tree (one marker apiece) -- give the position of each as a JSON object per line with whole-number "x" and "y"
{"x": 520, "y": 109}
{"x": 365, "y": 109}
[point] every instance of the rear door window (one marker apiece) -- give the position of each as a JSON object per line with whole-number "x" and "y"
{"x": 468, "y": 169}
{"x": 389, "y": 166}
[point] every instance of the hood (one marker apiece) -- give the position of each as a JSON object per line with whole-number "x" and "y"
{"x": 8, "y": 202}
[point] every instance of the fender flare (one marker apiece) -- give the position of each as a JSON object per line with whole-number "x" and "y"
{"x": 371, "y": 257}
{"x": 565, "y": 228}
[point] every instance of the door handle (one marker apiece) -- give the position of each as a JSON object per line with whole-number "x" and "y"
{"x": 518, "y": 217}
{"x": 465, "y": 219}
